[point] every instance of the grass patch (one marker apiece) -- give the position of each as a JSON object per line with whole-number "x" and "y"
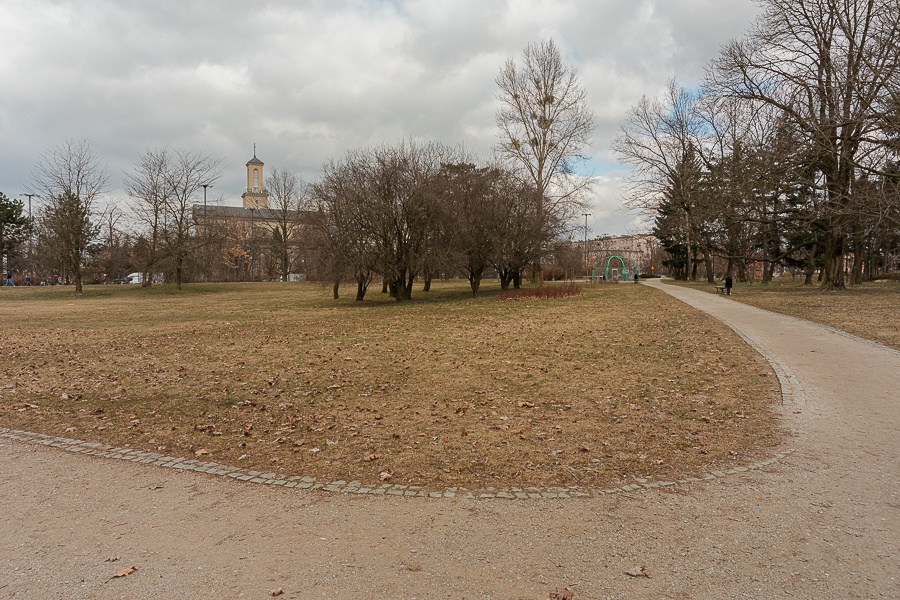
{"x": 616, "y": 383}
{"x": 870, "y": 311}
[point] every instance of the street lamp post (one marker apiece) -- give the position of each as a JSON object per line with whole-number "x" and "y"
{"x": 30, "y": 236}
{"x": 205, "y": 185}
{"x": 585, "y": 215}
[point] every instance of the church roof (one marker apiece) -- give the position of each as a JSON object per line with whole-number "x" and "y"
{"x": 242, "y": 214}
{"x": 254, "y": 161}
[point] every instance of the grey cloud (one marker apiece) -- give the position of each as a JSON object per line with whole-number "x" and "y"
{"x": 308, "y": 81}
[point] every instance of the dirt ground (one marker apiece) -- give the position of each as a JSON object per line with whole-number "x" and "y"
{"x": 822, "y": 523}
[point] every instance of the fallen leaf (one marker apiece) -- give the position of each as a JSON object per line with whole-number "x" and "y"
{"x": 277, "y": 592}
{"x": 201, "y": 452}
{"x": 526, "y": 404}
{"x": 639, "y": 571}
{"x": 125, "y": 571}
{"x": 562, "y": 594}
{"x": 371, "y": 457}
{"x": 384, "y": 476}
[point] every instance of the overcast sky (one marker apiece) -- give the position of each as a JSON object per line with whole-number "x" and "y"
{"x": 309, "y": 80}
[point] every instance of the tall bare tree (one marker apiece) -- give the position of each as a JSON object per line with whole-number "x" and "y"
{"x": 342, "y": 239}
{"x": 661, "y": 140}
{"x": 70, "y": 178}
{"x": 545, "y": 125}
{"x": 184, "y": 177}
{"x": 148, "y": 190}
{"x": 164, "y": 186}
{"x": 288, "y": 200}
{"x": 826, "y": 66}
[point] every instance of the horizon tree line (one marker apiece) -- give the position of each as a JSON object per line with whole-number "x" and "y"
{"x": 403, "y": 212}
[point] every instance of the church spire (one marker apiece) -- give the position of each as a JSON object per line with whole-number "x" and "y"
{"x": 255, "y": 194}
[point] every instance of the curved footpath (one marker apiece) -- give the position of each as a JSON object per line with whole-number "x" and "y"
{"x": 823, "y": 523}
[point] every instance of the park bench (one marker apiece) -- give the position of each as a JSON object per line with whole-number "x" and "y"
{"x": 720, "y": 289}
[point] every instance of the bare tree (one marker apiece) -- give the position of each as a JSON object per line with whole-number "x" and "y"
{"x": 825, "y": 65}
{"x": 70, "y": 178}
{"x": 545, "y": 125}
{"x": 163, "y": 186}
{"x": 147, "y": 187}
{"x": 661, "y": 140}
{"x": 184, "y": 177}
{"x": 288, "y": 198}
{"x": 342, "y": 237}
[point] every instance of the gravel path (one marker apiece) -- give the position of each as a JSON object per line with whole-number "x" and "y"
{"x": 823, "y": 523}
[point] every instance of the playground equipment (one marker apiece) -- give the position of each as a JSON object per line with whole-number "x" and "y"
{"x": 605, "y": 269}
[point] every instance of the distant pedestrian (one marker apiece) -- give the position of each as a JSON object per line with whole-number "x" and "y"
{"x": 9, "y": 280}
{"x": 728, "y": 283}
{"x": 635, "y": 276}
{"x": 28, "y": 279}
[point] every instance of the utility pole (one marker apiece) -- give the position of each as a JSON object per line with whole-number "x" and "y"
{"x": 585, "y": 215}
{"x": 205, "y": 185}
{"x": 30, "y": 236}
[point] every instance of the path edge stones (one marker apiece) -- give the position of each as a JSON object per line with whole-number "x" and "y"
{"x": 300, "y": 482}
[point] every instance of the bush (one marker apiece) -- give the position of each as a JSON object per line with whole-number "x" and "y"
{"x": 888, "y": 277}
{"x": 540, "y": 293}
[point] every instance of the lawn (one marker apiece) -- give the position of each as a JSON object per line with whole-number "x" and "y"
{"x": 870, "y": 311}
{"x": 619, "y": 382}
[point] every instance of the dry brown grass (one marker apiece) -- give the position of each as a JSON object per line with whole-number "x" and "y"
{"x": 871, "y": 311}
{"x": 620, "y": 382}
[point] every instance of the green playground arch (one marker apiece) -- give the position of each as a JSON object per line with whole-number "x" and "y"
{"x": 628, "y": 267}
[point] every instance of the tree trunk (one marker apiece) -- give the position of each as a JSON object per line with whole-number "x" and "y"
{"x": 517, "y": 280}
{"x": 334, "y": 288}
{"x": 179, "y": 266}
{"x": 858, "y": 260}
{"x": 475, "y": 280}
{"x": 834, "y": 262}
{"x": 362, "y": 284}
{"x": 707, "y": 260}
{"x": 810, "y": 265}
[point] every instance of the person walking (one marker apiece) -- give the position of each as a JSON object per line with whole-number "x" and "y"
{"x": 728, "y": 282}
{"x": 9, "y": 280}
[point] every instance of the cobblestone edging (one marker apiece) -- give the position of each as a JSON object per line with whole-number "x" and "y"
{"x": 791, "y": 391}
{"x": 856, "y": 338}
{"x": 355, "y": 487}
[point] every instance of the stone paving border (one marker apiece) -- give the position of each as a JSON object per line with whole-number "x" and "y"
{"x": 355, "y": 487}
{"x": 791, "y": 391}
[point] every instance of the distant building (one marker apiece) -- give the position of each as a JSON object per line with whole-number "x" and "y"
{"x": 643, "y": 249}
{"x": 251, "y": 237}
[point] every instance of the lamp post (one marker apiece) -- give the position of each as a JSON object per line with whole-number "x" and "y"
{"x": 205, "y": 185}
{"x": 30, "y": 236}
{"x": 585, "y": 215}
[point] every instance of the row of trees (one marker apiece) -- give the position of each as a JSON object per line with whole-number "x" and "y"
{"x": 423, "y": 210}
{"x": 397, "y": 212}
{"x": 789, "y": 152}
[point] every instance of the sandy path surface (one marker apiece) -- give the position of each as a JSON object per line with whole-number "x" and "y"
{"x": 823, "y": 523}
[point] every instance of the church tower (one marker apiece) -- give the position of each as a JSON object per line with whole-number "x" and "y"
{"x": 255, "y": 194}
